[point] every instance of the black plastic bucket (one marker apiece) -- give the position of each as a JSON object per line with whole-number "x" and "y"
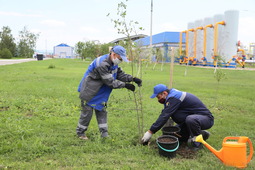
{"x": 167, "y": 145}
{"x": 171, "y": 130}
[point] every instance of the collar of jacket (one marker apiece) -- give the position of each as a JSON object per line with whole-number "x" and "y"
{"x": 108, "y": 59}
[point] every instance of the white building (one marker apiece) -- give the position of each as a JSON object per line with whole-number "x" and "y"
{"x": 63, "y": 51}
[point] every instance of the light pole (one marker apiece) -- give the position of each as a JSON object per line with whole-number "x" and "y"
{"x": 151, "y": 29}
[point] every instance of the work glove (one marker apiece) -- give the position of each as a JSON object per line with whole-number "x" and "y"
{"x": 137, "y": 81}
{"x": 146, "y": 137}
{"x": 130, "y": 86}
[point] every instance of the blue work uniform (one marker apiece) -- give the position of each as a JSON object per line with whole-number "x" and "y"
{"x": 95, "y": 88}
{"x": 187, "y": 111}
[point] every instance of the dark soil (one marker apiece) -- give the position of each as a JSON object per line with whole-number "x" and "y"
{"x": 166, "y": 140}
{"x": 4, "y": 108}
{"x": 186, "y": 153}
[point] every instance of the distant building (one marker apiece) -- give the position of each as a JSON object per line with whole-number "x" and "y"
{"x": 166, "y": 42}
{"x": 63, "y": 51}
{"x": 170, "y": 39}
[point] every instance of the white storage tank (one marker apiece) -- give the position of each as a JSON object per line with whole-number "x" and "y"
{"x": 199, "y": 39}
{"x": 231, "y": 33}
{"x": 209, "y": 40}
{"x": 190, "y": 40}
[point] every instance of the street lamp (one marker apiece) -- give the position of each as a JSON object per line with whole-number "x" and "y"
{"x": 151, "y": 29}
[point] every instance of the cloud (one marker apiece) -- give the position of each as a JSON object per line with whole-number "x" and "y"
{"x": 104, "y": 36}
{"x": 246, "y": 29}
{"x": 36, "y": 31}
{"x": 247, "y": 24}
{"x": 16, "y": 14}
{"x": 168, "y": 27}
{"x": 53, "y": 23}
{"x": 90, "y": 30}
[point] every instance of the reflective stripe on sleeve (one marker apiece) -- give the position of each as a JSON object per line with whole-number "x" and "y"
{"x": 183, "y": 96}
{"x": 107, "y": 76}
{"x": 98, "y": 61}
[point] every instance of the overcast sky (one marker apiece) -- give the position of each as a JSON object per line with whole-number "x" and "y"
{"x": 66, "y": 21}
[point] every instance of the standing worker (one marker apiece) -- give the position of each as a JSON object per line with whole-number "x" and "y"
{"x": 186, "y": 110}
{"x": 102, "y": 75}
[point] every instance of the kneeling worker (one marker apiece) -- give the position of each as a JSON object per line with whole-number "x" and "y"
{"x": 186, "y": 110}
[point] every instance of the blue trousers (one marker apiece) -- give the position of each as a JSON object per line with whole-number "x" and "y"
{"x": 193, "y": 126}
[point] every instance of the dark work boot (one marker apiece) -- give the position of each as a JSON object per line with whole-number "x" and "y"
{"x": 205, "y": 134}
{"x": 194, "y": 146}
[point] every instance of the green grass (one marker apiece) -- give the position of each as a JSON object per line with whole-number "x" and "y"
{"x": 39, "y": 110}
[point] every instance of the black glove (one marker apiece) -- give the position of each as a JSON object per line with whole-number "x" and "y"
{"x": 137, "y": 81}
{"x": 130, "y": 87}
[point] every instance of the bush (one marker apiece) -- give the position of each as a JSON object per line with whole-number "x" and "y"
{"x": 51, "y": 66}
{"x": 5, "y": 53}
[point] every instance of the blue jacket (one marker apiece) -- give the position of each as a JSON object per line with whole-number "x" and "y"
{"x": 178, "y": 106}
{"x": 99, "y": 80}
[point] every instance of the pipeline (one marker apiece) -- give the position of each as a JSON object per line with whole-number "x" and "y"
{"x": 215, "y": 50}
{"x": 204, "y": 53}
{"x": 180, "y": 43}
{"x": 195, "y": 43}
{"x": 187, "y": 41}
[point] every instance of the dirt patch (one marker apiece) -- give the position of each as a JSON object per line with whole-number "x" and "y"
{"x": 166, "y": 140}
{"x": 4, "y": 108}
{"x": 186, "y": 153}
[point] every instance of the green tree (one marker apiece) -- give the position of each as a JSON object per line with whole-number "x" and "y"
{"x": 5, "y": 53}
{"x": 128, "y": 28}
{"x": 104, "y": 48}
{"x": 27, "y": 43}
{"x": 90, "y": 50}
{"x": 7, "y": 41}
{"x": 79, "y": 48}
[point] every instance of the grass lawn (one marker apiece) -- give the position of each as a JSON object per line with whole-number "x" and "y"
{"x": 39, "y": 111}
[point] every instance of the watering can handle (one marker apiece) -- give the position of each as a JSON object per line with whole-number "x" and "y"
{"x": 230, "y": 138}
{"x": 251, "y": 151}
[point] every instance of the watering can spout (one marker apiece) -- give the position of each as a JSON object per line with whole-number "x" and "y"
{"x": 218, "y": 154}
{"x": 200, "y": 139}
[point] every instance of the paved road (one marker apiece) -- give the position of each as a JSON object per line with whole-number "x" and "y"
{"x": 15, "y": 61}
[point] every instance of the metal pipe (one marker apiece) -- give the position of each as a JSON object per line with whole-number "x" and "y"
{"x": 180, "y": 43}
{"x": 187, "y": 41}
{"x": 243, "y": 52}
{"x": 151, "y": 29}
{"x": 195, "y": 40}
{"x": 205, "y": 37}
{"x": 216, "y": 36}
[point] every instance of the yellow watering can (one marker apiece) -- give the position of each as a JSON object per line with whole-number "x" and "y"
{"x": 233, "y": 151}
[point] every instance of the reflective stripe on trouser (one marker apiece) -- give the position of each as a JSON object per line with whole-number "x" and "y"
{"x": 86, "y": 116}
{"x": 102, "y": 121}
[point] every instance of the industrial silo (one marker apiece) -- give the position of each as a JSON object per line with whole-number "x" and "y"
{"x": 199, "y": 39}
{"x": 231, "y": 33}
{"x": 208, "y": 40}
{"x": 190, "y": 38}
